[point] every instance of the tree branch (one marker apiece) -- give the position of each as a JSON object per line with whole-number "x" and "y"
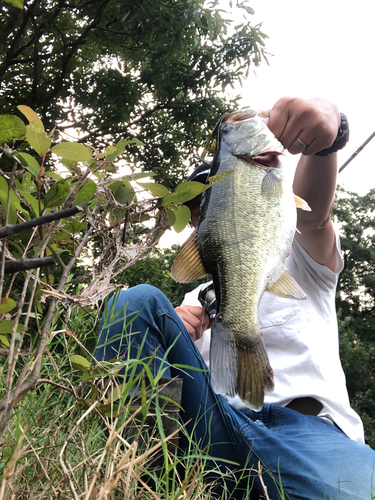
{"x": 124, "y": 130}
{"x": 44, "y": 219}
{"x": 10, "y": 54}
{"x": 55, "y": 384}
{"x": 79, "y": 41}
{"x": 16, "y": 265}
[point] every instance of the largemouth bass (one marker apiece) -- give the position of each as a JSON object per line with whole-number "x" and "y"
{"x": 245, "y": 231}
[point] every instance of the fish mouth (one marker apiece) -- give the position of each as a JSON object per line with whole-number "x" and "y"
{"x": 262, "y": 160}
{"x": 243, "y": 115}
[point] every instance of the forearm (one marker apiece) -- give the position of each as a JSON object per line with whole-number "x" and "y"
{"x": 315, "y": 181}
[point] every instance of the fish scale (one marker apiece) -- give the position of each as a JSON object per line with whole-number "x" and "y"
{"x": 245, "y": 231}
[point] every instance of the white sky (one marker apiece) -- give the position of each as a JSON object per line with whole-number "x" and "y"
{"x": 324, "y": 48}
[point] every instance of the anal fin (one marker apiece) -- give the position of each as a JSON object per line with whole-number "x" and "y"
{"x": 188, "y": 266}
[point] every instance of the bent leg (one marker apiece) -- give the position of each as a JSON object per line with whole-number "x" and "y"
{"x": 314, "y": 460}
{"x": 149, "y": 323}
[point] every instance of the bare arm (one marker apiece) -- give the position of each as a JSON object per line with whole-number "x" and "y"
{"x": 315, "y": 122}
{"x": 315, "y": 182}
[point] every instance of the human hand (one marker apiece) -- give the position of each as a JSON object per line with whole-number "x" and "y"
{"x": 195, "y": 319}
{"x": 315, "y": 122}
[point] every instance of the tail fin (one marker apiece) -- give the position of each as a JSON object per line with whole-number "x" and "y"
{"x": 240, "y": 365}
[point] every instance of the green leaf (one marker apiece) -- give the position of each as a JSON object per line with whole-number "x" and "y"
{"x": 184, "y": 192}
{"x": 94, "y": 202}
{"x": 30, "y": 115}
{"x": 16, "y": 3}
{"x": 182, "y": 215}
{"x": 54, "y": 175}
{"x": 171, "y": 217}
{"x": 136, "y": 141}
{"x": 188, "y": 190}
{"x": 119, "y": 213}
{"x": 4, "y": 342}
{"x": 73, "y": 151}
{"x": 74, "y": 226}
{"x": 38, "y": 139}
{"x": 122, "y": 191}
{"x": 80, "y": 363}
{"x": 30, "y": 163}
{"x": 6, "y": 305}
{"x": 141, "y": 218}
{"x": 157, "y": 190}
{"x": 6, "y": 326}
{"x": 57, "y": 194}
{"x": 33, "y": 202}
{"x": 141, "y": 175}
{"x": 111, "y": 153}
{"x": 12, "y": 215}
{"x": 114, "y": 151}
{"x": 86, "y": 192}
{"x": 217, "y": 178}
{"x": 11, "y": 128}
{"x": 71, "y": 165}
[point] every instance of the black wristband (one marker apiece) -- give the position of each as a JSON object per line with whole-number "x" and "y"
{"x": 341, "y": 139}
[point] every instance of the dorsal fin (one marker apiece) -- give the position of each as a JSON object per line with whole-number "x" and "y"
{"x": 287, "y": 287}
{"x": 188, "y": 266}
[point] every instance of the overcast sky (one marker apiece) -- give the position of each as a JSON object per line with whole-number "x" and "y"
{"x": 323, "y": 48}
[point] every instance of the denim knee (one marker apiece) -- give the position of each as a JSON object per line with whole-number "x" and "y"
{"x": 142, "y": 295}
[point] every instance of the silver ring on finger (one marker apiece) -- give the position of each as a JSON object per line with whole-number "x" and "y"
{"x": 302, "y": 143}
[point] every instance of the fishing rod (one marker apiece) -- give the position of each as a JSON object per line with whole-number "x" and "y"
{"x": 356, "y": 152}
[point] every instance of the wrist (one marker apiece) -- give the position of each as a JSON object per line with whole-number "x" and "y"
{"x": 341, "y": 139}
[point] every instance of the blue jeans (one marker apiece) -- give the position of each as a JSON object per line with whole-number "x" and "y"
{"x": 305, "y": 456}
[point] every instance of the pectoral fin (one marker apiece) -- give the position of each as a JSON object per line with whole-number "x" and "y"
{"x": 188, "y": 266}
{"x": 300, "y": 203}
{"x": 287, "y": 287}
{"x": 272, "y": 184}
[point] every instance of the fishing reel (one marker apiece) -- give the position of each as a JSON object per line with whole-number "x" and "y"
{"x": 207, "y": 298}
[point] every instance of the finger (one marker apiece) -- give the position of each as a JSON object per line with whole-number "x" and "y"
{"x": 278, "y": 119}
{"x": 197, "y": 326}
{"x": 205, "y": 320}
{"x": 199, "y": 333}
{"x": 313, "y": 143}
{"x": 204, "y": 324}
{"x": 298, "y": 146}
{"x": 312, "y": 148}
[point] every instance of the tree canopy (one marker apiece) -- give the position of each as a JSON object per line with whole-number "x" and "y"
{"x": 111, "y": 69}
{"x": 356, "y": 302}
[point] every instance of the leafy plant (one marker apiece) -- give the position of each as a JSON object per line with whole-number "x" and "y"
{"x": 70, "y": 214}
